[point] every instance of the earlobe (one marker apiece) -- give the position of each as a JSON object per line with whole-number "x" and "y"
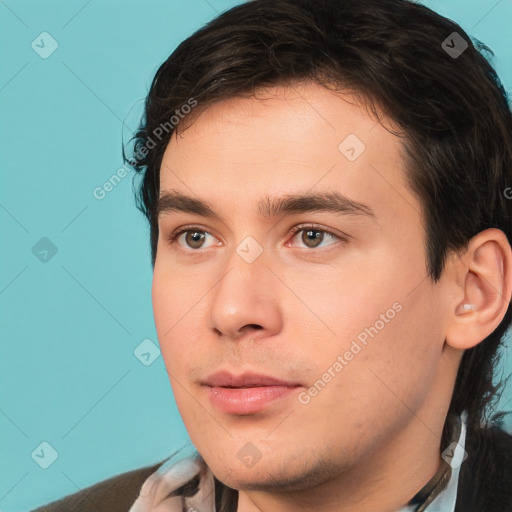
{"x": 486, "y": 284}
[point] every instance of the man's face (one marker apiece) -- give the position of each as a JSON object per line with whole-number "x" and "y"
{"x": 341, "y": 311}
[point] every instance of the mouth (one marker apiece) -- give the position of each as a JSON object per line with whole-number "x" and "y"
{"x": 248, "y": 393}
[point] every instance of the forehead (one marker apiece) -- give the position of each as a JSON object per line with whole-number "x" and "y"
{"x": 286, "y": 141}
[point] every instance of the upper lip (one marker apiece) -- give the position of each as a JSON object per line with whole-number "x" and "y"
{"x": 245, "y": 380}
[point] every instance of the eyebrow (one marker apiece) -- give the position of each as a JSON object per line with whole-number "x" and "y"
{"x": 268, "y": 207}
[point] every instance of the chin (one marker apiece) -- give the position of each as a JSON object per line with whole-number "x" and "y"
{"x": 276, "y": 477}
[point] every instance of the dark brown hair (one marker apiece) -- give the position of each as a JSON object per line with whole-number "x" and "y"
{"x": 452, "y": 112}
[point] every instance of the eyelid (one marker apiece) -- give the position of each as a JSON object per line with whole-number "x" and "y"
{"x": 317, "y": 227}
{"x": 293, "y": 231}
{"x": 178, "y": 231}
{"x": 184, "y": 229}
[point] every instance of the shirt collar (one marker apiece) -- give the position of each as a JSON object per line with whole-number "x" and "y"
{"x": 440, "y": 492}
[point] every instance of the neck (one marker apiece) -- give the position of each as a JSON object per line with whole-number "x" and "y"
{"x": 384, "y": 482}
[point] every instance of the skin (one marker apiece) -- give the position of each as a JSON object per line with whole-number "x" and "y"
{"x": 371, "y": 438}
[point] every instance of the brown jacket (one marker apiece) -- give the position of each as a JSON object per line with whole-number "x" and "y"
{"x": 116, "y": 494}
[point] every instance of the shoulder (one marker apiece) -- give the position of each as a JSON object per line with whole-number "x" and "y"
{"x": 485, "y": 481}
{"x": 116, "y": 494}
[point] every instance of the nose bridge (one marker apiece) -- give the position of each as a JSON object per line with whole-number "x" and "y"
{"x": 246, "y": 294}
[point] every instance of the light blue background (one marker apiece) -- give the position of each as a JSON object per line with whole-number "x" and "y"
{"x": 70, "y": 326}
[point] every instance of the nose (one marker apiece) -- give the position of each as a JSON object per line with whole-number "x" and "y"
{"x": 246, "y": 301}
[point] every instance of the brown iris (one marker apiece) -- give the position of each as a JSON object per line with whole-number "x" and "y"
{"x": 313, "y": 236}
{"x": 194, "y": 239}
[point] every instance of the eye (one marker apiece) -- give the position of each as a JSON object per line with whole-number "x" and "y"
{"x": 193, "y": 237}
{"x": 313, "y": 236}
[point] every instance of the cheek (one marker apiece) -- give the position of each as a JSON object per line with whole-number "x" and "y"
{"x": 392, "y": 345}
{"x": 403, "y": 358}
{"x": 170, "y": 316}
{"x": 347, "y": 305}
{"x": 174, "y": 297}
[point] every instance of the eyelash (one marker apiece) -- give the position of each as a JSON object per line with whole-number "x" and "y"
{"x": 297, "y": 229}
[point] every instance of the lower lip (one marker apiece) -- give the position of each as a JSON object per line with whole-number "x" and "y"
{"x": 247, "y": 400}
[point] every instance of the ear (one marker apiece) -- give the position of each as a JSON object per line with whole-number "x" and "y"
{"x": 483, "y": 288}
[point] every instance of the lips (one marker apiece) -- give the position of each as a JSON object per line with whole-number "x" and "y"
{"x": 248, "y": 393}
{"x": 246, "y": 380}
